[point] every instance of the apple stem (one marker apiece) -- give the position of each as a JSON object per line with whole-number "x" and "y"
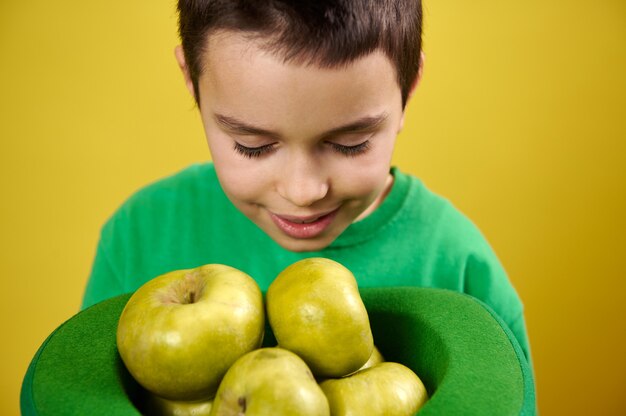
{"x": 242, "y": 404}
{"x": 185, "y": 292}
{"x": 192, "y": 297}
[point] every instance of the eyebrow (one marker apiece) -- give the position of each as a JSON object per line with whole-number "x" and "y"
{"x": 363, "y": 124}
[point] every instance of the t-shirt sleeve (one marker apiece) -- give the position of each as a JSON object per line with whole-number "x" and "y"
{"x": 486, "y": 279}
{"x": 148, "y": 235}
{"x": 104, "y": 281}
{"x": 518, "y": 327}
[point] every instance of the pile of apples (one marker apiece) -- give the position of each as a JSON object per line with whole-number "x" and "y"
{"x": 193, "y": 339}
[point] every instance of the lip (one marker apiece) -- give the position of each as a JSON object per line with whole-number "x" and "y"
{"x": 309, "y": 226}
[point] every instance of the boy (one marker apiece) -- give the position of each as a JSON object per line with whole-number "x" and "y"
{"x": 301, "y": 103}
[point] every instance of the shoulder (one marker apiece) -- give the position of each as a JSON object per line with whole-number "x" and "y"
{"x": 171, "y": 196}
{"x": 451, "y": 241}
{"x": 455, "y": 251}
{"x": 194, "y": 179}
{"x": 437, "y": 218}
{"x": 457, "y": 243}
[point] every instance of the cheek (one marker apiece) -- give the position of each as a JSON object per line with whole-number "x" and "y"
{"x": 245, "y": 181}
{"x": 364, "y": 177}
{"x": 241, "y": 179}
{"x": 241, "y": 182}
{"x": 364, "y": 181}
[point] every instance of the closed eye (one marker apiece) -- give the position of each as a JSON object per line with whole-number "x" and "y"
{"x": 351, "y": 151}
{"x": 253, "y": 152}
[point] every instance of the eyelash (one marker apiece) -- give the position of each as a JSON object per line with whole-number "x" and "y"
{"x": 254, "y": 152}
{"x": 351, "y": 151}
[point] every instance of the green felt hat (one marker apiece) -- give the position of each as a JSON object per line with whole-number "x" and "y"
{"x": 466, "y": 356}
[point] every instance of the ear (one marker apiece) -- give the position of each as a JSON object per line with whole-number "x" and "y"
{"x": 182, "y": 64}
{"x": 414, "y": 85}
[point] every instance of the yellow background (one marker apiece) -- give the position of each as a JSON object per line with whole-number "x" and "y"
{"x": 520, "y": 121}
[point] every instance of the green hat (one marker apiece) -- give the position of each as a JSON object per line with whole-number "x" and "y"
{"x": 468, "y": 359}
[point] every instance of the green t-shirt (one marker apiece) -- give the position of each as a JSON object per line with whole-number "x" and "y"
{"x": 414, "y": 238}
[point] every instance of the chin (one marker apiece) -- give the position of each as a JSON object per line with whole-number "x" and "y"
{"x": 303, "y": 245}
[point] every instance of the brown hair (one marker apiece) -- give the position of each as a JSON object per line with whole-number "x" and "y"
{"x": 326, "y": 33}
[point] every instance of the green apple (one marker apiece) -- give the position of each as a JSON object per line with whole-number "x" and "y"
{"x": 157, "y": 406}
{"x": 375, "y": 358}
{"x": 315, "y": 310}
{"x": 386, "y": 388}
{"x": 181, "y": 331}
{"x": 270, "y": 382}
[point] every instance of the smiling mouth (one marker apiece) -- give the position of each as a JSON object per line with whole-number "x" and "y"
{"x": 304, "y": 227}
{"x": 306, "y": 221}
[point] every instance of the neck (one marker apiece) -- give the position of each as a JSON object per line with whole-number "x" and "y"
{"x": 379, "y": 199}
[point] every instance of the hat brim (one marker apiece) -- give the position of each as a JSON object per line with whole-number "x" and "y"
{"x": 468, "y": 359}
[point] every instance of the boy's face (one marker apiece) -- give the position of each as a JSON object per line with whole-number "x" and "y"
{"x": 302, "y": 151}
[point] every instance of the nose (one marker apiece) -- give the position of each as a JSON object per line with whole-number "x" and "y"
{"x": 303, "y": 182}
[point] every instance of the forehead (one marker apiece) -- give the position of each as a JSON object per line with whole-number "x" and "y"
{"x": 240, "y": 75}
{"x": 222, "y": 40}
